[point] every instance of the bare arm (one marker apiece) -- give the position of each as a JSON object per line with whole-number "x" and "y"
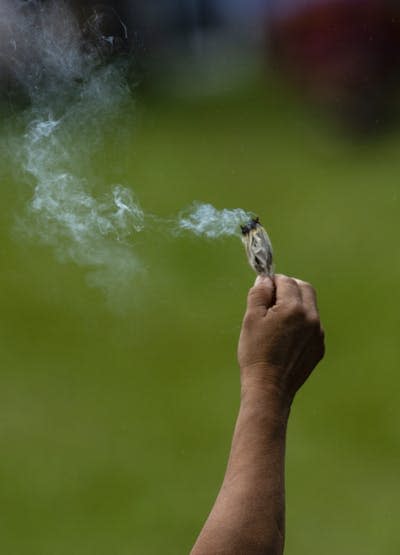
{"x": 280, "y": 343}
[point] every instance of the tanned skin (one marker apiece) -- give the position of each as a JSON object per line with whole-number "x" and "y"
{"x": 280, "y": 344}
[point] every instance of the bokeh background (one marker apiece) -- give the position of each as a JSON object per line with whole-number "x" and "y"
{"x": 115, "y": 422}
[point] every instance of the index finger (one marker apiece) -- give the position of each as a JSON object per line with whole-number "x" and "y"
{"x": 287, "y": 290}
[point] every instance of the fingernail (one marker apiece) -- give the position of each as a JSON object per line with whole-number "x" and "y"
{"x": 262, "y": 279}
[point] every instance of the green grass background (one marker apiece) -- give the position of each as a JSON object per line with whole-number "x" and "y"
{"x": 115, "y": 424}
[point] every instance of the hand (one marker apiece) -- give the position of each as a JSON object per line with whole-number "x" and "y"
{"x": 281, "y": 340}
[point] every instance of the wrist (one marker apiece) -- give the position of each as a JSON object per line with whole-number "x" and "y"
{"x": 267, "y": 402}
{"x": 265, "y": 397}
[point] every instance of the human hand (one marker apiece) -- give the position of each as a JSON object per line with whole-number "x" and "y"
{"x": 281, "y": 340}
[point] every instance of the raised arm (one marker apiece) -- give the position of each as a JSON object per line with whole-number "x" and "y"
{"x": 280, "y": 344}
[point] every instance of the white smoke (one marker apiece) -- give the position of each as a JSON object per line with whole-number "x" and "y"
{"x": 73, "y": 96}
{"x": 205, "y": 220}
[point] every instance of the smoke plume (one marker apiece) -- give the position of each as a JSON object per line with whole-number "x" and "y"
{"x": 74, "y": 91}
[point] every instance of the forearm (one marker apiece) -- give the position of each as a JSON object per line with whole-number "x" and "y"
{"x": 248, "y": 515}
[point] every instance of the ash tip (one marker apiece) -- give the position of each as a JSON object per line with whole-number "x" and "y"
{"x": 252, "y": 224}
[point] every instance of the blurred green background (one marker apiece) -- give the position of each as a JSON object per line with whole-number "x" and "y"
{"x": 115, "y": 424}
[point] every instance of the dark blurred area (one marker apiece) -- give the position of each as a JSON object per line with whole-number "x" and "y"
{"x": 341, "y": 55}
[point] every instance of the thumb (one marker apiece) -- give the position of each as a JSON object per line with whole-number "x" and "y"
{"x": 261, "y": 295}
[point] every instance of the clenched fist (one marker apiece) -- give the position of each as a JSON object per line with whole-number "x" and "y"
{"x": 281, "y": 340}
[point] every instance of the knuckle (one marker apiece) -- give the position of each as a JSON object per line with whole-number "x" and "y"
{"x": 293, "y": 311}
{"x": 289, "y": 280}
{"x": 306, "y": 286}
{"x": 311, "y": 291}
{"x": 313, "y": 321}
{"x": 282, "y": 279}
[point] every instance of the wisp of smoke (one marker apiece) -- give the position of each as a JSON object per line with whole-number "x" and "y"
{"x": 73, "y": 95}
{"x": 205, "y": 220}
